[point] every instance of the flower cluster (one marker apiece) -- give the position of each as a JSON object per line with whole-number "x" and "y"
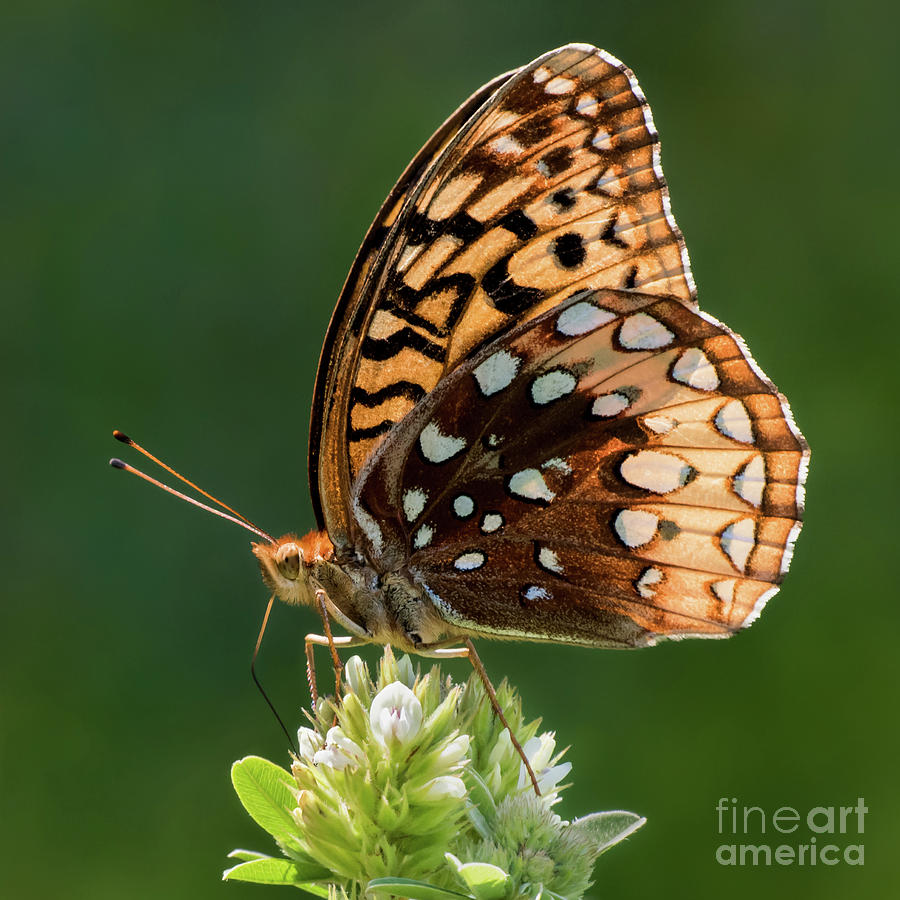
{"x": 410, "y": 786}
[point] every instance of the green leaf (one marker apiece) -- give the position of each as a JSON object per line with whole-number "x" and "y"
{"x": 478, "y": 821}
{"x": 264, "y": 790}
{"x": 269, "y": 870}
{"x": 486, "y": 881}
{"x": 414, "y": 890}
{"x": 480, "y": 794}
{"x": 247, "y": 855}
{"x": 606, "y": 829}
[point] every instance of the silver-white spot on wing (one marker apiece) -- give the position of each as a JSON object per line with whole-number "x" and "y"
{"x": 552, "y": 386}
{"x": 491, "y": 522}
{"x": 535, "y": 592}
{"x": 587, "y": 105}
{"x": 496, "y": 372}
{"x": 646, "y": 585}
{"x": 582, "y": 318}
{"x": 750, "y": 481}
{"x": 602, "y": 140}
{"x": 635, "y": 527}
{"x": 723, "y": 591}
{"x": 654, "y": 471}
{"x": 608, "y": 405}
{"x": 504, "y": 143}
{"x": 413, "y": 503}
{"x": 643, "y": 332}
{"x": 659, "y": 424}
{"x": 423, "y": 537}
{"x": 547, "y": 559}
{"x": 466, "y": 562}
{"x": 695, "y": 370}
{"x": 733, "y": 421}
{"x": 530, "y": 484}
{"x": 438, "y": 447}
{"x": 560, "y": 85}
{"x": 738, "y": 540}
{"x": 463, "y": 506}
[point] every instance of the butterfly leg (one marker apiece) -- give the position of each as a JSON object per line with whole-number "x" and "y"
{"x": 321, "y": 597}
{"x": 468, "y": 651}
{"x": 327, "y": 640}
{"x": 321, "y": 640}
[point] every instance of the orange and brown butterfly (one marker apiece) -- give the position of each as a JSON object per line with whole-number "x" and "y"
{"x": 523, "y": 426}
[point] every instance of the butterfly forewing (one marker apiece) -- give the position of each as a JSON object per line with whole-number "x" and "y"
{"x": 329, "y": 483}
{"x": 552, "y": 186}
{"x": 610, "y": 472}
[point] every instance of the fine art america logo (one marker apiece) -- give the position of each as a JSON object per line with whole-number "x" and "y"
{"x": 821, "y": 835}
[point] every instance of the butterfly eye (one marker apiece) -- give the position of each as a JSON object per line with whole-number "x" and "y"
{"x": 288, "y": 561}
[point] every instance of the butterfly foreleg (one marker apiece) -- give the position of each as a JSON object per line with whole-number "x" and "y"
{"x": 467, "y": 651}
{"x": 330, "y": 641}
{"x": 313, "y": 640}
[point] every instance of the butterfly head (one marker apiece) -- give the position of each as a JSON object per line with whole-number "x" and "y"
{"x": 286, "y": 564}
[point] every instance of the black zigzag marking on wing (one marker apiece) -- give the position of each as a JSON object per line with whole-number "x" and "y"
{"x": 423, "y": 230}
{"x": 380, "y": 349}
{"x": 506, "y": 295}
{"x": 609, "y": 233}
{"x": 371, "y": 399}
{"x": 411, "y": 318}
{"x": 362, "y": 434}
{"x": 519, "y": 224}
{"x": 460, "y": 282}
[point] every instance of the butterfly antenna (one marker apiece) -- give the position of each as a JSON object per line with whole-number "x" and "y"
{"x": 262, "y": 630}
{"x": 235, "y": 516}
{"x": 120, "y": 436}
{"x": 119, "y": 464}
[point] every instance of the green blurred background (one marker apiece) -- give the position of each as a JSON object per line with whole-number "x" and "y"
{"x": 184, "y": 187}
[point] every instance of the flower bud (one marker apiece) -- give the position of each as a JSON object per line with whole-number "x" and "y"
{"x": 395, "y": 715}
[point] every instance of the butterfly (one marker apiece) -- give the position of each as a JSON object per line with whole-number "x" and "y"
{"x": 523, "y": 426}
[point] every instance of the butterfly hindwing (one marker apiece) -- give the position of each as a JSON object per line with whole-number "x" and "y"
{"x": 612, "y": 471}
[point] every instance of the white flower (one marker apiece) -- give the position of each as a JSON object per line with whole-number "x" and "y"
{"x": 443, "y": 786}
{"x": 455, "y": 750}
{"x": 357, "y": 676}
{"x": 550, "y": 778}
{"x": 395, "y": 714}
{"x": 308, "y": 742}
{"x": 339, "y": 751}
{"x": 502, "y": 749}
{"x": 539, "y": 751}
